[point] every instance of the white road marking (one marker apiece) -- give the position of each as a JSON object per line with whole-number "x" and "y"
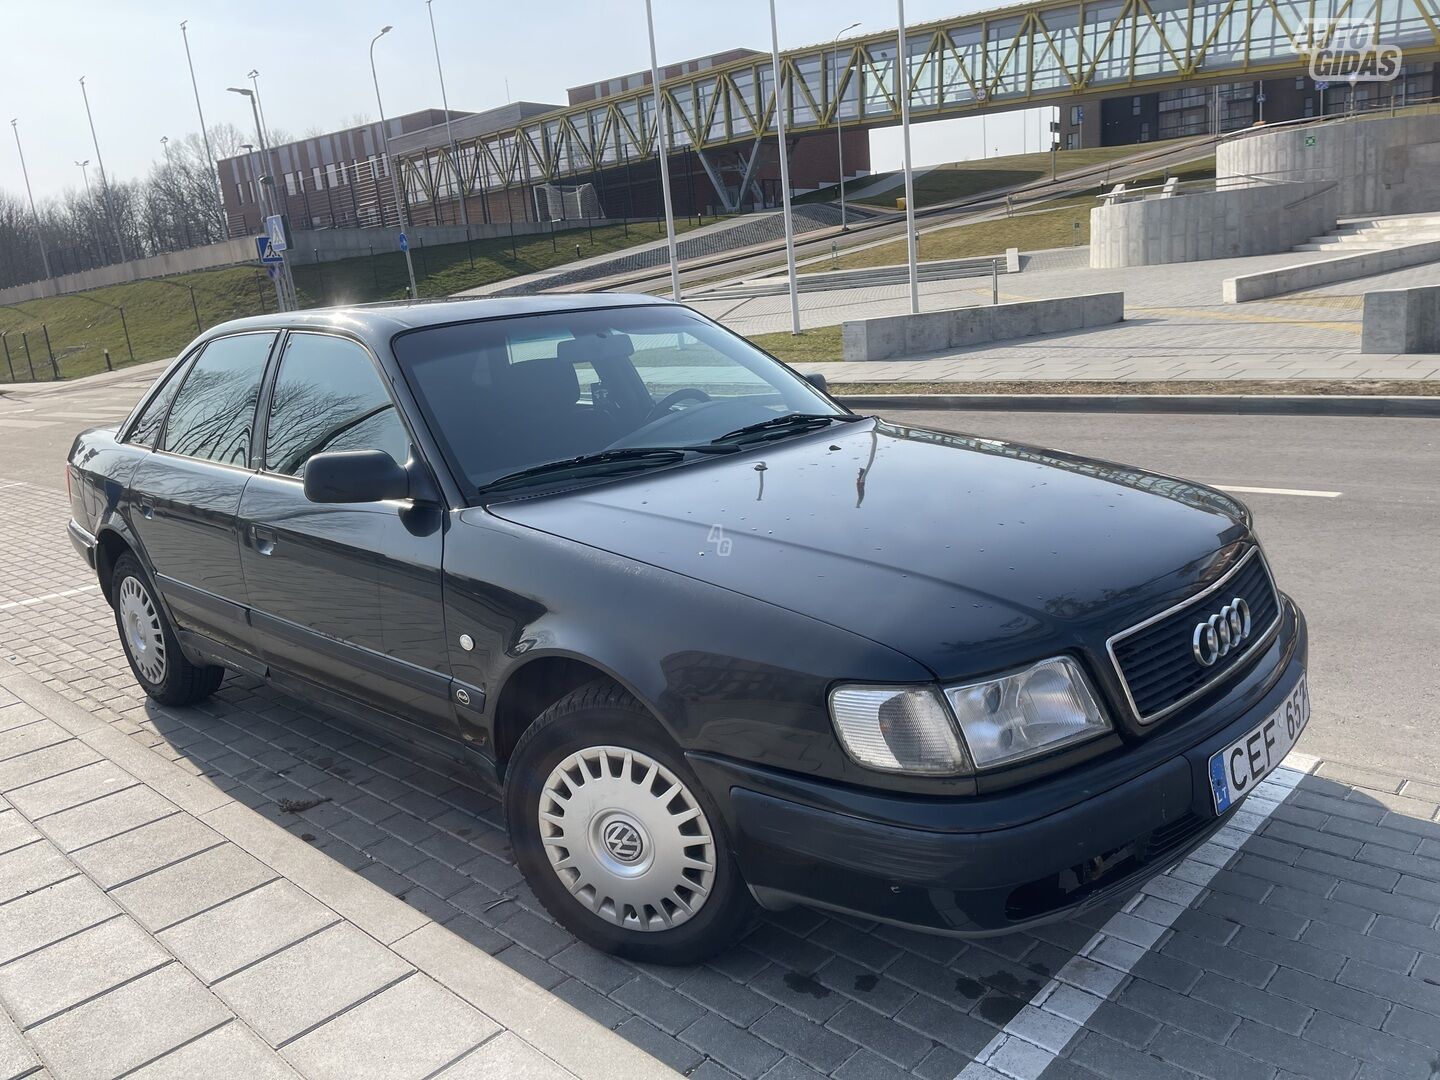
{"x": 1279, "y": 491}
{"x": 7, "y": 422}
{"x": 30, "y": 601}
{"x": 1042, "y": 1029}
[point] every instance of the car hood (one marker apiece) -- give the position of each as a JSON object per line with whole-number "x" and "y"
{"x": 968, "y": 554}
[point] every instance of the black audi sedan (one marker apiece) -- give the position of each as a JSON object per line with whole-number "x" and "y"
{"x": 717, "y": 640}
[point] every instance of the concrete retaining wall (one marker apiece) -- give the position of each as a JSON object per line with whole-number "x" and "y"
{"x": 318, "y": 245}
{"x": 1402, "y": 321}
{"x": 225, "y": 253}
{"x": 1258, "y": 219}
{"x": 1288, "y": 279}
{"x": 898, "y": 336}
{"x": 327, "y": 245}
{"x": 1383, "y": 165}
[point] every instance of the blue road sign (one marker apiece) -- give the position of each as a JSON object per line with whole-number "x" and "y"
{"x": 404, "y": 242}
{"x": 1322, "y": 85}
{"x": 265, "y": 253}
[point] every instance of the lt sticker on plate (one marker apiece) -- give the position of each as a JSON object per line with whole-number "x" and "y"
{"x": 1236, "y": 770}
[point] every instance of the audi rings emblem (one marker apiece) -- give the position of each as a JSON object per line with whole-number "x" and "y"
{"x": 623, "y": 841}
{"x": 1220, "y": 633}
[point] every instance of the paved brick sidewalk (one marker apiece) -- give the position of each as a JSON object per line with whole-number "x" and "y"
{"x": 1176, "y": 327}
{"x": 1302, "y": 941}
{"x": 151, "y": 926}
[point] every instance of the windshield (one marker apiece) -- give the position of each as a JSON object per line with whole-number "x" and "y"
{"x": 504, "y": 395}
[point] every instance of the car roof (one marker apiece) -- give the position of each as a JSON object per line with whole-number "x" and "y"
{"x": 379, "y": 322}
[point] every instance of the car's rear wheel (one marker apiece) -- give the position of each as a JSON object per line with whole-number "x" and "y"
{"x": 150, "y": 645}
{"x": 616, "y": 836}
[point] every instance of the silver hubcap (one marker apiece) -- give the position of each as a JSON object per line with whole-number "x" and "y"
{"x": 627, "y": 838}
{"x": 140, "y": 629}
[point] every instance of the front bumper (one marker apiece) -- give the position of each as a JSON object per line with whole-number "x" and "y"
{"x": 1004, "y": 861}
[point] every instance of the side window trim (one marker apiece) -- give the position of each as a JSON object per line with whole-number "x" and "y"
{"x": 160, "y": 436}
{"x": 272, "y": 376}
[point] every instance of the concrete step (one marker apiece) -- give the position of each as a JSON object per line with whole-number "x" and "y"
{"x": 1341, "y": 247}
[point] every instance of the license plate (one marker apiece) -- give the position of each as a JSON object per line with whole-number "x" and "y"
{"x": 1236, "y": 770}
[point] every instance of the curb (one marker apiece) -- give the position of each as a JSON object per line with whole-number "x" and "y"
{"x": 1262, "y": 404}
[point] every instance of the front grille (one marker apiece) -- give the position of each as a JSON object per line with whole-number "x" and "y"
{"x": 1156, "y": 659}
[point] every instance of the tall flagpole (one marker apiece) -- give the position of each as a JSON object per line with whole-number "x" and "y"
{"x": 39, "y": 229}
{"x": 204, "y": 131}
{"x": 104, "y": 180}
{"x": 662, "y": 152}
{"x": 460, "y": 179}
{"x": 902, "y": 88}
{"x": 784, "y": 174}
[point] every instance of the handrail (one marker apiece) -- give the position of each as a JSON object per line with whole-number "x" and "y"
{"x": 1121, "y": 194}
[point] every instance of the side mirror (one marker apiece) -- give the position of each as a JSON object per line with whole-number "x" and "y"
{"x": 818, "y": 381}
{"x": 355, "y": 476}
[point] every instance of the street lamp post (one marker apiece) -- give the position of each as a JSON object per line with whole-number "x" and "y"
{"x": 254, "y": 76}
{"x": 662, "y": 153}
{"x": 204, "y": 132}
{"x": 902, "y": 91}
{"x": 390, "y": 164}
{"x": 839, "y": 141}
{"x": 284, "y": 291}
{"x": 165, "y": 145}
{"x": 784, "y": 172}
{"x": 104, "y": 181}
{"x": 39, "y": 231}
{"x": 449, "y": 134}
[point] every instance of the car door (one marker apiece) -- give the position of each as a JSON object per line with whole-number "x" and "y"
{"x": 184, "y": 497}
{"x": 345, "y": 596}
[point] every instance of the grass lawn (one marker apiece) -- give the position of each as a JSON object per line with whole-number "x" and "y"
{"x": 1057, "y": 223}
{"x": 161, "y": 319}
{"x": 822, "y": 343}
{"x": 960, "y": 179}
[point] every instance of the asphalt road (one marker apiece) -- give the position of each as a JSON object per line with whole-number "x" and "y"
{"x": 1361, "y": 565}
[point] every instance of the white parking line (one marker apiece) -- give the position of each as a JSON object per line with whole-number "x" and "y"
{"x": 1043, "y": 1028}
{"x": 1279, "y": 491}
{"x": 32, "y": 600}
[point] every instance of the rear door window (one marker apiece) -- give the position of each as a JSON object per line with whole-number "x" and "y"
{"x": 328, "y": 396}
{"x": 213, "y": 416}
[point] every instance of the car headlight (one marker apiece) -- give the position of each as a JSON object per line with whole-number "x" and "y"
{"x": 1042, "y": 708}
{"x": 901, "y": 729}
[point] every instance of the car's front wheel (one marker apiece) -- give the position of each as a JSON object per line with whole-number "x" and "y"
{"x": 616, "y": 836}
{"x": 150, "y": 645}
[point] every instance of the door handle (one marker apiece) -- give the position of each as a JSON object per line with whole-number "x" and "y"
{"x": 147, "y": 508}
{"x": 264, "y": 539}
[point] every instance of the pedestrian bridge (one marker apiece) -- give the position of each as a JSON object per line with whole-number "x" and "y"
{"x": 1008, "y": 58}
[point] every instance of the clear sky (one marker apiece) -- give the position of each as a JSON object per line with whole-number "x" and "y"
{"x": 314, "y": 71}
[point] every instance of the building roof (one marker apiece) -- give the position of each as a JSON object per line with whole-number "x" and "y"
{"x": 470, "y": 126}
{"x": 398, "y": 126}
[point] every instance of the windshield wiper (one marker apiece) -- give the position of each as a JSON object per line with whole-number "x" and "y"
{"x": 600, "y": 459}
{"x": 790, "y": 420}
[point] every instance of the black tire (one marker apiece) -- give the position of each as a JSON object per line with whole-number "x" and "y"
{"x": 603, "y": 714}
{"x": 179, "y": 682}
